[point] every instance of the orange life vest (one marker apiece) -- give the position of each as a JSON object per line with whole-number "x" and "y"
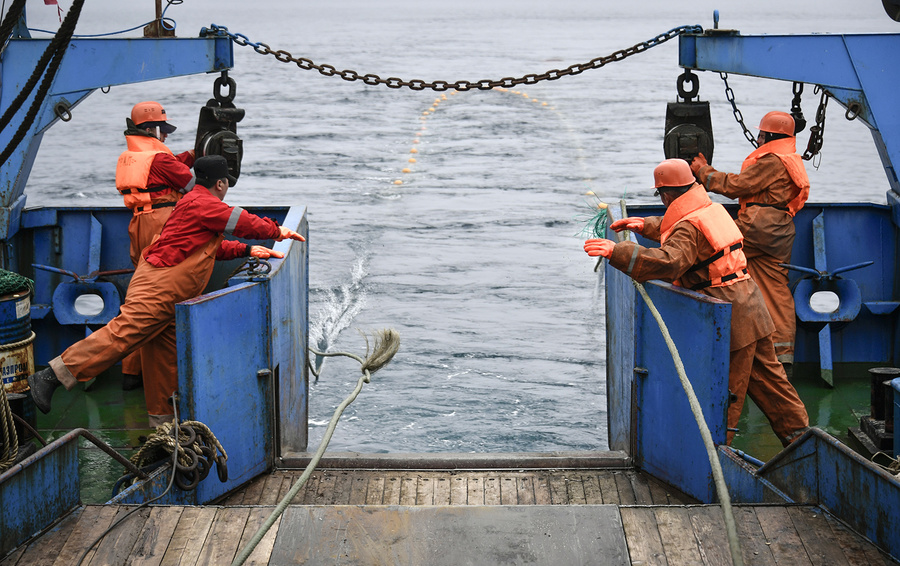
{"x": 133, "y": 172}
{"x": 727, "y": 265}
{"x": 786, "y": 150}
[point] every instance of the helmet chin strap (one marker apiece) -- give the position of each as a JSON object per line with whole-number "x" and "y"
{"x": 157, "y": 133}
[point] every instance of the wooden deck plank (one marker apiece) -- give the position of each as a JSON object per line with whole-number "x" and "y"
{"x": 754, "y": 546}
{"x": 442, "y": 490}
{"x": 475, "y": 490}
{"x": 325, "y": 489}
{"x": 640, "y": 487}
{"x": 559, "y": 493}
{"x": 709, "y": 530}
{"x": 287, "y": 483}
{"x": 859, "y": 552}
{"x": 262, "y": 552}
{"x": 814, "y": 532}
{"x": 659, "y": 495}
{"x": 307, "y": 494}
{"x": 93, "y": 521}
{"x": 525, "y": 490}
{"x": 46, "y": 549}
{"x": 509, "y": 491}
{"x": 608, "y": 488}
{"x": 784, "y": 542}
{"x": 644, "y": 543}
{"x": 408, "y": 489}
{"x": 13, "y": 558}
{"x": 341, "y": 493}
{"x": 271, "y": 489}
{"x": 425, "y": 489}
{"x": 391, "y": 490}
{"x": 375, "y": 491}
{"x": 189, "y": 536}
{"x": 575, "y": 487}
{"x": 116, "y": 546}
{"x": 541, "y": 490}
{"x": 623, "y": 485}
{"x": 359, "y": 485}
{"x": 459, "y": 491}
{"x": 254, "y": 491}
{"x": 492, "y": 489}
{"x": 155, "y": 537}
{"x": 221, "y": 544}
{"x": 593, "y": 495}
{"x": 677, "y": 535}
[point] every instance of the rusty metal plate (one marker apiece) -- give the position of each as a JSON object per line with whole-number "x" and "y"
{"x": 533, "y": 534}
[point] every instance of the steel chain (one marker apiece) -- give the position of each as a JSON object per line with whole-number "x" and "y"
{"x": 817, "y": 132}
{"x": 729, "y": 94}
{"x": 462, "y": 85}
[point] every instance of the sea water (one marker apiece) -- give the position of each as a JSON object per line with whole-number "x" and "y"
{"x": 475, "y": 257}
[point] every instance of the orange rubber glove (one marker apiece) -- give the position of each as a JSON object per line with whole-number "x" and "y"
{"x": 287, "y": 234}
{"x": 698, "y": 162}
{"x": 599, "y": 246}
{"x": 263, "y": 252}
{"x": 633, "y": 223}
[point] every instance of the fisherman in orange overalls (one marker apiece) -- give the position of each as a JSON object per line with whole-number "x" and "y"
{"x": 700, "y": 249}
{"x": 176, "y": 267}
{"x": 151, "y": 179}
{"x": 771, "y": 188}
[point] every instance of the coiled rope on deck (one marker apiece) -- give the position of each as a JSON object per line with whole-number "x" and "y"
{"x": 197, "y": 449}
{"x": 9, "y": 449}
{"x": 387, "y": 342}
{"x": 718, "y": 475}
{"x": 11, "y": 282}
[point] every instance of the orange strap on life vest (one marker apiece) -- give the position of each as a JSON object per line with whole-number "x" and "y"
{"x": 133, "y": 172}
{"x": 786, "y": 150}
{"x": 727, "y": 265}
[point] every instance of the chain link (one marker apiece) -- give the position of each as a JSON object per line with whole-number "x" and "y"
{"x": 484, "y": 84}
{"x": 729, "y": 94}
{"x": 817, "y": 132}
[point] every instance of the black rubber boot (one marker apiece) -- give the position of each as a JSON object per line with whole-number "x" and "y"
{"x": 43, "y": 384}
{"x": 131, "y": 381}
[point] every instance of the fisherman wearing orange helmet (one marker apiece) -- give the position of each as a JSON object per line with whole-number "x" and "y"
{"x": 771, "y": 188}
{"x": 174, "y": 268}
{"x": 151, "y": 179}
{"x": 701, "y": 249}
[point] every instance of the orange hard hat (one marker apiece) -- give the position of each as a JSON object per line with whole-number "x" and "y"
{"x": 150, "y": 111}
{"x": 776, "y": 122}
{"x": 673, "y": 172}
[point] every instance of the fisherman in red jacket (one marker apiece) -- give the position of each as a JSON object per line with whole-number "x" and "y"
{"x": 151, "y": 179}
{"x": 175, "y": 268}
{"x": 771, "y": 188}
{"x": 700, "y": 249}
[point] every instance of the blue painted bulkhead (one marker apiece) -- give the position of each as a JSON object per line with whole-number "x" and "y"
{"x": 241, "y": 359}
{"x": 648, "y": 414}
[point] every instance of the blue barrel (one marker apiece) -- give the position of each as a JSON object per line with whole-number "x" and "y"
{"x": 17, "y": 356}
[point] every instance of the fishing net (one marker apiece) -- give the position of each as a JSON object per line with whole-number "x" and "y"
{"x": 14, "y": 283}
{"x": 595, "y": 225}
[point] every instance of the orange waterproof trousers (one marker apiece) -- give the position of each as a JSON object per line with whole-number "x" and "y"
{"x": 772, "y": 280}
{"x": 756, "y": 372}
{"x": 146, "y": 320}
{"x": 141, "y": 231}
